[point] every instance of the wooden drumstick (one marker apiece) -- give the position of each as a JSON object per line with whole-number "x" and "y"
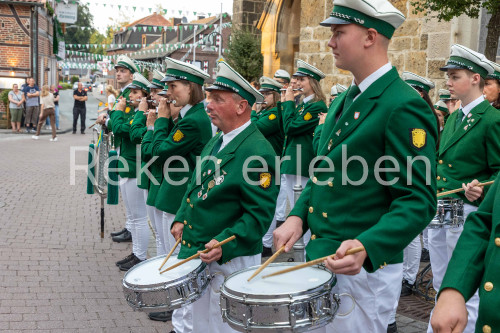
{"x": 170, "y": 253}
{"x": 194, "y": 256}
{"x": 313, "y": 262}
{"x": 268, "y": 261}
{"x": 461, "y": 189}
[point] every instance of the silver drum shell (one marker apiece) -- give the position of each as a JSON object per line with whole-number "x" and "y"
{"x": 297, "y": 312}
{"x": 167, "y": 296}
{"x": 450, "y": 214}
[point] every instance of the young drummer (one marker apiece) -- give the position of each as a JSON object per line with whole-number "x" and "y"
{"x": 469, "y": 152}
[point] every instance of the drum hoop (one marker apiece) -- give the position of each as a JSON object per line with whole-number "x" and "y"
{"x": 285, "y": 297}
{"x": 200, "y": 268}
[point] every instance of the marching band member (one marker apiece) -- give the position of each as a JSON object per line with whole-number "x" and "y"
{"x": 298, "y": 125}
{"x": 449, "y": 99}
{"x": 268, "y": 123}
{"x": 121, "y": 119}
{"x": 491, "y": 89}
{"x": 282, "y": 77}
{"x": 178, "y": 137}
{"x": 469, "y": 151}
{"x": 125, "y": 69}
{"x": 442, "y": 112}
{"x": 335, "y": 91}
{"x": 379, "y": 116}
{"x": 475, "y": 263}
{"x": 227, "y": 195}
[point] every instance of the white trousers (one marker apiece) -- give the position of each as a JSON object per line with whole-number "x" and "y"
{"x": 133, "y": 198}
{"x": 442, "y": 243}
{"x": 375, "y": 295}
{"x": 155, "y": 216}
{"x": 411, "y": 260}
{"x": 182, "y": 319}
{"x": 285, "y": 196}
{"x": 425, "y": 238}
{"x": 206, "y": 310}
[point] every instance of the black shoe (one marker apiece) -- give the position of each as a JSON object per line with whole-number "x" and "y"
{"x": 82, "y": 132}
{"x": 118, "y": 233}
{"x": 161, "y": 316}
{"x": 126, "y": 259}
{"x": 129, "y": 264}
{"x": 267, "y": 251}
{"x": 406, "y": 289}
{"x": 125, "y": 237}
{"x": 74, "y": 132}
{"x": 425, "y": 256}
{"x": 392, "y": 328}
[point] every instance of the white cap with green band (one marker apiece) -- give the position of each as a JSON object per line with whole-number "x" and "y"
{"x": 282, "y": 74}
{"x": 178, "y": 70}
{"x": 417, "y": 81}
{"x": 156, "y": 83}
{"x": 380, "y": 15}
{"x": 126, "y": 62}
{"x": 139, "y": 82}
{"x": 337, "y": 89}
{"x": 462, "y": 57}
{"x": 230, "y": 80}
{"x": 496, "y": 71}
{"x": 444, "y": 94}
{"x": 441, "y": 106}
{"x": 305, "y": 69}
{"x": 268, "y": 84}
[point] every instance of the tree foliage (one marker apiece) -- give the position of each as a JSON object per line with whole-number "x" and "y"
{"x": 98, "y": 38}
{"x": 449, "y": 9}
{"x": 244, "y": 54}
{"x": 75, "y": 35}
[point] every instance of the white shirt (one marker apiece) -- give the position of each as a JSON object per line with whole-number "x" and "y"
{"x": 228, "y": 137}
{"x": 185, "y": 109}
{"x": 372, "y": 78}
{"x": 308, "y": 98}
{"x": 468, "y": 108}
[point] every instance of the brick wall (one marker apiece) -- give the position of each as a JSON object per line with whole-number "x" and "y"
{"x": 14, "y": 42}
{"x": 246, "y": 13}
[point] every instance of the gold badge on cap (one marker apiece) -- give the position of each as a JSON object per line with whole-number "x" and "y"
{"x": 272, "y": 116}
{"x": 178, "y": 136}
{"x": 418, "y": 138}
{"x": 307, "y": 116}
{"x": 265, "y": 179}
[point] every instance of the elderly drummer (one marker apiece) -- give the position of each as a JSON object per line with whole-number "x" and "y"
{"x": 378, "y": 118}
{"x": 232, "y": 192}
{"x": 469, "y": 152}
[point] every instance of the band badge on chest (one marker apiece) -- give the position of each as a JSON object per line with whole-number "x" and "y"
{"x": 418, "y": 138}
{"x": 178, "y": 136}
{"x": 265, "y": 180}
{"x": 272, "y": 116}
{"x": 307, "y": 116}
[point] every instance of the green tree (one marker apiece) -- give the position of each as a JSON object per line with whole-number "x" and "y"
{"x": 75, "y": 35}
{"x": 243, "y": 54}
{"x": 98, "y": 38}
{"x": 448, "y": 9}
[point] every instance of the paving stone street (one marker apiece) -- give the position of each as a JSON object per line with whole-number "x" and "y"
{"x": 56, "y": 273}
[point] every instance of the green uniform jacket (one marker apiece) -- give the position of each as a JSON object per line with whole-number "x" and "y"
{"x": 268, "y": 124}
{"x": 388, "y": 120}
{"x": 124, "y": 93}
{"x": 476, "y": 260}
{"x": 155, "y": 167}
{"x": 298, "y": 126}
{"x": 319, "y": 128}
{"x": 184, "y": 140}
{"x": 120, "y": 126}
{"x": 471, "y": 152}
{"x": 137, "y": 132}
{"x": 219, "y": 202}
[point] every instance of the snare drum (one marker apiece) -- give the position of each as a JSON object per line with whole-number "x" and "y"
{"x": 450, "y": 214}
{"x": 147, "y": 290}
{"x": 292, "y": 302}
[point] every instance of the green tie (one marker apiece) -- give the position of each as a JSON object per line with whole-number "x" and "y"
{"x": 353, "y": 92}
{"x": 460, "y": 115}
{"x": 217, "y": 145}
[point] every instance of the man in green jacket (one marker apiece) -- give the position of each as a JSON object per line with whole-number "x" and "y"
{"x": 469, "y": 153}
{"x": 374, "y": 184}
{"x": 232, "y": 192}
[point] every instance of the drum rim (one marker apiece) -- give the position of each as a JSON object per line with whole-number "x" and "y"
{"x": 288, "y": 297}
{"x": 135, "y": 287}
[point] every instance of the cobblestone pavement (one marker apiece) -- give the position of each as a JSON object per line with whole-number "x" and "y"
{"x": 56, "y": 273}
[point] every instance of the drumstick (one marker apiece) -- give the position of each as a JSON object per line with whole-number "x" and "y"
{"x": 461, "y": 189}
{"x": 170, "y": 253}
{"x": 268, "y": 261}
{"x": 194, "y": 256}
{"x": 313, "y": 262}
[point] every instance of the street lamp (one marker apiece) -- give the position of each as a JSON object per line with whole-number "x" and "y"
{"x": 210, "y": 41}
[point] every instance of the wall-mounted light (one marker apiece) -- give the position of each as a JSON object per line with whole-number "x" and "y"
{"x": 12, "y": 72}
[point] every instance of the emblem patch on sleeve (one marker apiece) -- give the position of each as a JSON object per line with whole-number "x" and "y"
{"x": 265, "y": 179}
{"x": 178, "y": 136}
{"x": 307, "y": 116}
{"x": 272, "y": 116}
{"x": 131, "y": 121}
{"x": 418, "y": 138}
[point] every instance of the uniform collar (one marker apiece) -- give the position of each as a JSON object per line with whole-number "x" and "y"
{"x": 184, "y": 110}
{"x": 308, "y": 98}
{"x": 468, "y": 108}
{"x": 366, "y": 83}
{"x": 226, "y": 138}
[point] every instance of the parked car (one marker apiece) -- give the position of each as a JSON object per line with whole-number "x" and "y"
{"x": 75, "y": 85}
{"x": 87, "y": 86}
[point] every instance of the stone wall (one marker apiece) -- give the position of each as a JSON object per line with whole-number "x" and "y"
{"x": 246, "y": 13}
{"x": 421, "y": 45}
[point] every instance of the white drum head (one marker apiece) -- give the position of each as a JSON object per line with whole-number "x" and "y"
{"x": 147, "y": 273}
{"x": 288, "y": 283}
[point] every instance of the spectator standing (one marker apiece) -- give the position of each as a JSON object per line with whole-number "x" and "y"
{"x": 32, "y": 93}
{"x": 79, "y": 108}
{"x": 16, "y": 99}
{"x": 48, "y": 106}
{"x": 54, "y": 92}
{"x": 111, "y": 94}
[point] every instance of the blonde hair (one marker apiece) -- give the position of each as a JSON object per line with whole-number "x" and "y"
{"x": 45, "y": 90}
{"x": 316, "y": 88}
{"x": 110, "y": 89}
{"x": 276, "y": 98}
